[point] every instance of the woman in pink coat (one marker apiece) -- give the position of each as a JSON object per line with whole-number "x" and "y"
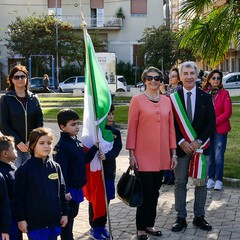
{"x": 218, "y": 141}
{"x": 152, "y": 146}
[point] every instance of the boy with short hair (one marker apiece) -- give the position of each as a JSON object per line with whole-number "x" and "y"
{"x": 8, "y": 154}
{"x": 69, "y": 153}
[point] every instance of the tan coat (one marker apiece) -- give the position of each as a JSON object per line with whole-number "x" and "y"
{"x": 151, "y": 132}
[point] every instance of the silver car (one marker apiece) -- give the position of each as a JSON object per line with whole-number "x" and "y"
{"x": 231, "y": 80}
{"x": 71, "y": 83}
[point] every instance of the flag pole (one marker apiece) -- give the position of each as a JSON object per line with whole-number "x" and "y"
{"x": 97, "y": 128}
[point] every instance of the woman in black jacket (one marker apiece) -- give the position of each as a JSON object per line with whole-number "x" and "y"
{"x": 20, "y": 111}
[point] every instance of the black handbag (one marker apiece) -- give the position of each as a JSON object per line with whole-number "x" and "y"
{"x": 129, "y": 188}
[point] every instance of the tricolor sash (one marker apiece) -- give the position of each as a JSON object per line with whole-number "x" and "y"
{"x": 198, "y": 163}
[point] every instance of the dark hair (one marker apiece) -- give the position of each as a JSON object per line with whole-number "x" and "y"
{"x": 66, "y": 115}
{"x": 5, "y": 143}
{"x": 151, "y": 69}
{"x": 35, "y": 135}
{"x": 112, "y": 108}
{"x": 206, "y": 82}
{"x": 11, "y": 74}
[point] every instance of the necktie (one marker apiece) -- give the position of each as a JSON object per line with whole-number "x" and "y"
{"x": 189, "y": 106}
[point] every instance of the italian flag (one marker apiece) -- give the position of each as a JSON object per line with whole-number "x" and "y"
{"x": 97, "y": 103}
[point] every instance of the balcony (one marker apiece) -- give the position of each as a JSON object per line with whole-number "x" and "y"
{"x": 106, "y": 23}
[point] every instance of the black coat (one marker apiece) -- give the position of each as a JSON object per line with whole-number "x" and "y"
{"x": 109, "y": 165}
{"x": 39, "y": 194}
{"x": 69, "y": 153}
{"x": 16, "y": 120}
{"x": 5, "y": 211}
{"x": 204, "y": 119}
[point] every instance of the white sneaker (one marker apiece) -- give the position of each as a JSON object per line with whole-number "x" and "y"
{"x": 210, "y": 183}
{"x": 218, "y": 185}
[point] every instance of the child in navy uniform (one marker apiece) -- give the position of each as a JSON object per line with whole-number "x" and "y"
{"x": 69, "y": 153}
{"x": 98, "y": 229}
{"x": 8, "y": 154}
{"x": 5, "y": 210}
{"x": 39, "y": 191}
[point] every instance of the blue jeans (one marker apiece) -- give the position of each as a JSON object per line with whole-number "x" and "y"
{"x": 218, "y": 143}
{"x": 180, "y": 192}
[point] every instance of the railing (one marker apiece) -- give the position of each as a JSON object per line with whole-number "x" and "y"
{"x": 105, "y": 22}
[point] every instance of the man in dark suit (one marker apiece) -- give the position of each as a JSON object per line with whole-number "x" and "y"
{"x": 202, "y": 118}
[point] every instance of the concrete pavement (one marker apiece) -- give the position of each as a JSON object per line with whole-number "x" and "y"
{"x": 222, "y": 211}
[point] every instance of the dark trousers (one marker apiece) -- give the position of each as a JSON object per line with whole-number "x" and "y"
{"x": 67, "y": 232}
{"x": 98, "y": 222}
{"x": 146, "y": 213}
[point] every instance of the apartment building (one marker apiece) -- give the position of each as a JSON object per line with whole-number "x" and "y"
{"x": 121, "y": 32}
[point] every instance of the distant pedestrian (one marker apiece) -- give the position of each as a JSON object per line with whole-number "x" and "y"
{"x": 39, "y": 192}
{"x": 45, "y": 83}
{"x": 218, "y": 141}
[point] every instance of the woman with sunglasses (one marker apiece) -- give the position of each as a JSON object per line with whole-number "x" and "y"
{"x": 218, "y": 141}
{"x": 20, "y": 111}
{"x": 151, "y": 143}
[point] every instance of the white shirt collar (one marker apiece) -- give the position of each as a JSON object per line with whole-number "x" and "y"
{"x": 193, "y": 90}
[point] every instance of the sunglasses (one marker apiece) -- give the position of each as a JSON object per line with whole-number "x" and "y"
{"x": 17, "y": 77}
{"x": 156, "y": 78}
{"x": 216, "y": 78}
{"x": 173, "y": 76}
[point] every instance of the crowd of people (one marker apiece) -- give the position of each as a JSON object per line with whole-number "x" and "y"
{"x": 170, "y": 129}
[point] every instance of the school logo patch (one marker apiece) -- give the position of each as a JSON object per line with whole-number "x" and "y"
{"x": 53, "y": 176}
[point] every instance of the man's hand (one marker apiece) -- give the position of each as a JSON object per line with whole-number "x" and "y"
{"x": 5, "y": 236}
{"x": 187, "y": 147}
{"x": 68, "y": 196}
{"x": 64, "y": 221}
{"x": 196, "y": 145}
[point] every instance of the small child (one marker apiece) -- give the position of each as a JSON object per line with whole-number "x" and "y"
{"x": 8, "y": 154}
{"x": 69, "y": 153}
{"x": 98, "y": 229}
{"x": 39, "y": 194}
{"x": 5, "y": 210}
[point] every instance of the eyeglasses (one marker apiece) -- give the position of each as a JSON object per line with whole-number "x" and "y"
{"x": 173, "y": 76}
{"x": 17, "y": 77}
{"x": 216, "y": 78}
{"x": 156, "y": 78}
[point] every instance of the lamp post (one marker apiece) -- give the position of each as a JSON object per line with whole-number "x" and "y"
{"x": 57, "y": 68}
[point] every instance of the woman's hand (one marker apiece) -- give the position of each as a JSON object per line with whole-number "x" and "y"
{"x": 22, "y": 147}
{"x": 101, "y": 156}
{"x": 174, "y": 162}
{"x": 133, "y": 161}
{"x": 22, "y": 225}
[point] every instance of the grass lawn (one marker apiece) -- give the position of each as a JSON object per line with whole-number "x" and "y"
{"x": 232, "y": 159}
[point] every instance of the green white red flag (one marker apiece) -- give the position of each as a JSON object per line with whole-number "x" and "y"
{"x": 97, "y": 103}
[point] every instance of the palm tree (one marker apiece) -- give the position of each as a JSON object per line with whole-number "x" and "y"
{"x": 210, "y": 27}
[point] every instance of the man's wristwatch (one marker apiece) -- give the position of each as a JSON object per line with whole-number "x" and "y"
{"x": 199, "y": 141}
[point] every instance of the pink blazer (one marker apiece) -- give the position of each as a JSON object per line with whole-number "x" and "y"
{"x": 151, "y": 132}
{"x": 223, "y": 110}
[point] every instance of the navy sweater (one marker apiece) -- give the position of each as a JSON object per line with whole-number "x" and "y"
{"x": 39, "y": 194}
{"x": 69, "y": 153}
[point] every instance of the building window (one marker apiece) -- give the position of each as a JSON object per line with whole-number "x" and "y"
{"x": 227, "y": 65}
{"x": 138, "y": 6}
{"x": 233, "y": 65}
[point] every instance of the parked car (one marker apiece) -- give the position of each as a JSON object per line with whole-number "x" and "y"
{"x": 231, "y": 80}
{"x": 141, "y": 85}
{"x": 71, "y": 83}
{"x": 37, "y": 87}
